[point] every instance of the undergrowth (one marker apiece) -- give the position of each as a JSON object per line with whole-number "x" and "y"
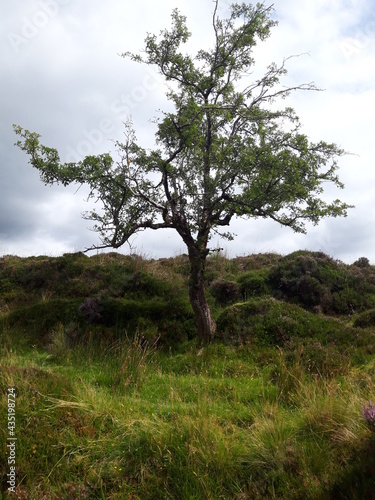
{"x": 116, "y": 409}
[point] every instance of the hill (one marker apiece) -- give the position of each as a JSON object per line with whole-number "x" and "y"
{"x": 112, "y": 400}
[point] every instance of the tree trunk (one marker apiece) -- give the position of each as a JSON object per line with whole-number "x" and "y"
{"x": 206, "y": 324}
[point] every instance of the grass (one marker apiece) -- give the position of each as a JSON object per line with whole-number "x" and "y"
{"x": 130, "y": 421}
{"x": 272, "y": 409}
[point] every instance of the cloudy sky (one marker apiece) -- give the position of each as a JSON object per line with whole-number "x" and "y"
{"x": 63, "y": 78}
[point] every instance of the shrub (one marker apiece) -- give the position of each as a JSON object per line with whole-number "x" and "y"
{"x": 90, "y": 310}
{"x": 365, "y": 319}
{"x": 260, "y": 320}
{"x": 317, "y": 281}
{"x": 40, "y": 318}
{"x": 362, "y": 262}
{"x": 225, "y": 291}
{"x": 170, "y": 317}
{"x": 254, "y": 283}
{"x": 273, "y": 322}
{"x": 142, "y": 284}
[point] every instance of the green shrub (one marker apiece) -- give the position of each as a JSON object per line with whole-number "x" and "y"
{"x": 224, "y": 291}
{"x": 273, "y": 322}
{"x": 254, "y": 283}
{"x": 40, "y": 318}
{"x": 365, "y": 319}
{"x": 315, "y": 280}
{"x": 142, "y": 284}
{"x": 362, "y": 262}
{"x": 170, "y": 317}
{"x": 256, "y": 320}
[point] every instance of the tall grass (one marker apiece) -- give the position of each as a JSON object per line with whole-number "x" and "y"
{"x": 129, "y": 421}
{"x": 125, "y": 362}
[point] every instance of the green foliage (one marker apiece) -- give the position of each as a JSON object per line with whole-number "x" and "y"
{"x": 365, "y": 319}
{"x": 222, "y": 152}
{"x": 40, "y": 318}
{"x": 40, "y": 295}
{"x": 273, "y": 322}
{"x": 221, "y": 144}
{"x": 225, "y": 291}
{"x": 141, "y": 284}
{"x": 362, "y": 262}
{"x": 317, "y": 281}
{"x": 254, "y": 283}
{"x": 168, "y": 316}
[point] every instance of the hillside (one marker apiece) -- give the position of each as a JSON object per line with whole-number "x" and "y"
{"x": 112, "y": 400}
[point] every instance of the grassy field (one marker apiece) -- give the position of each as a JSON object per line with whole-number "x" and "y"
{"x": 113, "y": 401}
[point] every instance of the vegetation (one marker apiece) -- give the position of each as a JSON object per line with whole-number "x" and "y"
{"x": 112, "y": 400}
{"x": 223, "y": 152}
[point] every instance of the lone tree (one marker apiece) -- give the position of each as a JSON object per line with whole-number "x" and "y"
{"x": 223, "y": 152}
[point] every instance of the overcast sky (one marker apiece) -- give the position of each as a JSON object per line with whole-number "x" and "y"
{"x": 62, "y": 77}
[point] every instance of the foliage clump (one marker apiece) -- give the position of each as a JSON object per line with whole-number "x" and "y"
{"x": 273, "y": 322}
{"x": 365, "y": 319}
{"x": 254, "y": 283}
{"x": 362, "y": 262}
{"x": 319, "y": 282}
{"x": 225, "y": 291}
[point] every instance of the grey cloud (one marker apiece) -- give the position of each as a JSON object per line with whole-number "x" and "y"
{"x": 68, "y": 83}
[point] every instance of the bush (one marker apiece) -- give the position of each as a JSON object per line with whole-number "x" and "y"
{"x": 40, "y": 318}
{"x": 273, "y": 322}
{"x": 365, "y": 319}
{"x": 169, "y": 318}
{"x": 225, "y": 292}
{"x": 315, "y": 280}
{"x": 362, "y": 262}
{"x": 142, "y": 284}
{"x": 254, "y": 283}
{"x": 262, "y": 321}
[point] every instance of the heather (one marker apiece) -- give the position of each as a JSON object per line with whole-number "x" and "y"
{"x": 114, "y": 400}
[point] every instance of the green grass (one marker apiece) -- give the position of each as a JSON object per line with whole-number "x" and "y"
{"x": 130, "y": 421}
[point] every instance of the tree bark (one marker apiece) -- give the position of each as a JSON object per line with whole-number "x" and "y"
{"x": 206, "y": 324}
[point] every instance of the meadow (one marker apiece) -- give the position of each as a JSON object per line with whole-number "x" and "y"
{"x": 114, "y": 401}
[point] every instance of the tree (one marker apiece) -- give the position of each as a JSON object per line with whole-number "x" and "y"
{"x": 224, "y": 152}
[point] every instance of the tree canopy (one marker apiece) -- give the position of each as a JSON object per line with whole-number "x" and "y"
{"x": 224, "y": 151}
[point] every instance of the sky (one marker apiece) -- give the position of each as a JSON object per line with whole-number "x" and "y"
{"x": 64, "y": 78}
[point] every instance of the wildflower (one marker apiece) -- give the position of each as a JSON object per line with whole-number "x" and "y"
{"x": 368, "y": 413}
